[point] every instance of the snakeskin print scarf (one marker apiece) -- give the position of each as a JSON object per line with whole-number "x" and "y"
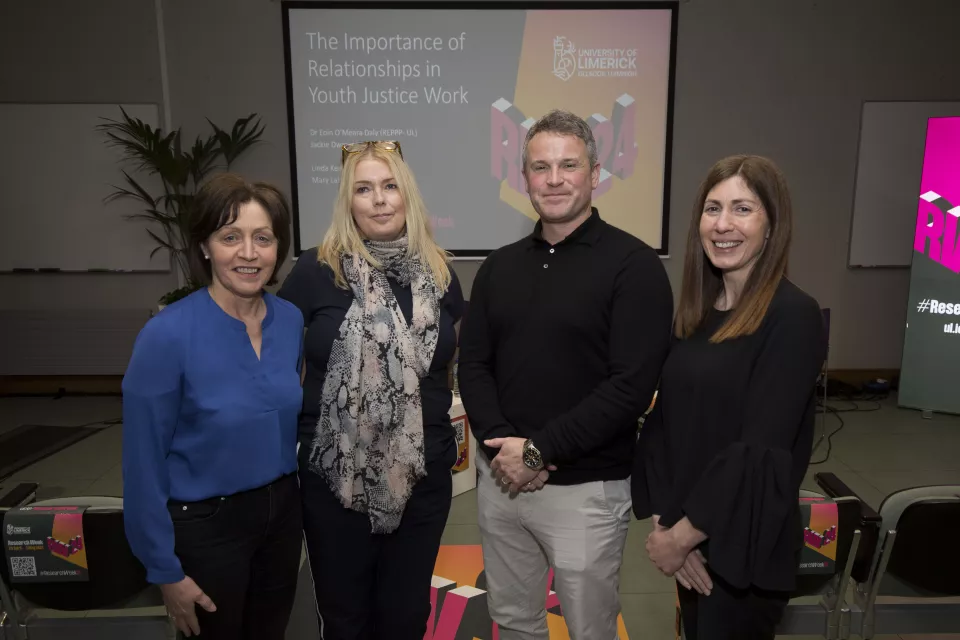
{"x": 368, "y": 443}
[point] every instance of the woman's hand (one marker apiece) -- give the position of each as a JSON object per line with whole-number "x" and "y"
{"x": 694, "y": 575}
{"x": 664, "y": 551}
{"x": 181, "y": 599}
{"x": 669, "y": 548}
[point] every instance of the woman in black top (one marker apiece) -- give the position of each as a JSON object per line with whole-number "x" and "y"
{"x": 723, "y": 453}
{"x": 380, "y": 305}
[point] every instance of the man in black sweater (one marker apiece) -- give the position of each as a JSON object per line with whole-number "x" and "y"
{"x": 559, "y": 357}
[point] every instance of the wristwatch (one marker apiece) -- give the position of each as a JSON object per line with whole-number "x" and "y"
{"x": 531, "y": 455}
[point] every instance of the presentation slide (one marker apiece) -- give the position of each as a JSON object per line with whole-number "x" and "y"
{"x": 459, "y": 89}
{"x": 931, "y": 348}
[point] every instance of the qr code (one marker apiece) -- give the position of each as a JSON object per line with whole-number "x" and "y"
{"x": 23, "y": 567}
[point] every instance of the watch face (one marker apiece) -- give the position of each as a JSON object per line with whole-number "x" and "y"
{"x": 531, "y": 457}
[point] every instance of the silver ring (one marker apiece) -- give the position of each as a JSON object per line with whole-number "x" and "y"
{"x": 504, "y": 481}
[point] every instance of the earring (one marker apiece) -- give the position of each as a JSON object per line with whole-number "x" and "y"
{"x": 206, "y": 257}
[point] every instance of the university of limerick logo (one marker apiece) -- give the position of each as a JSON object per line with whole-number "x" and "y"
{"x": 564, "y": 61}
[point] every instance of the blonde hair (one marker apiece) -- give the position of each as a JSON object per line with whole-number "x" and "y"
{"x": 343, "y": 236}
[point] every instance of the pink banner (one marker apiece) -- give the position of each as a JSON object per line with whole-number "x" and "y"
{"x": 939, "y": 207}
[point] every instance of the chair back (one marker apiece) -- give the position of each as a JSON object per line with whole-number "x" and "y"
{"x": 848, "y": 521}
{"x": 115, "y": 574}
{"x": 925, "y": 558}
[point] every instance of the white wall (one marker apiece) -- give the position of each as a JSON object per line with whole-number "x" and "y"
{"x": 784, "y": 78}
{"x": 93, "y": 51}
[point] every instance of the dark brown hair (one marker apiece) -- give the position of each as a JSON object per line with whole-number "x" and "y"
{"x": 702, "y": 282}
{"x": 563, "y": 123}
{"x": 218, "y": 203}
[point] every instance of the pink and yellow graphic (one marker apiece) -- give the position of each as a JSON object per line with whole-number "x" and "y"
{"x": 612, "y": 68}
{"x": 461, "y": 430}
{"x": 820, "y": 533}
{"x": 66, "y": 539}
{"x": 939, "y": 208}
{"x": 459, "y": 603}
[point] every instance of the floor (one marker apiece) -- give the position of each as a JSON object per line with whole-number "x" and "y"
{"x": 875, "y": 453}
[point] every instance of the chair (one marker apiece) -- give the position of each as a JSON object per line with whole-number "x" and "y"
{"x": 830, "y": 615}
{"x": 915, "y": 566}
{"x": 868, "y": 524}
{"x": 911, "y": 568}
{"x": 15, "y": 496}
{"x": 117, "y": 581}
{"x": 11, "y": 497}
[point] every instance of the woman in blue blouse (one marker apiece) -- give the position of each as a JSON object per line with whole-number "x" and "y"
{"x": 210, "y": 406}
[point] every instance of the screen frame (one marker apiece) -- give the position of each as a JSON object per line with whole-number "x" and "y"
{"x": 474, "y": 5}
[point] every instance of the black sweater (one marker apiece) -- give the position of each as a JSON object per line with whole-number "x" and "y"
{"x": 728, "y": 442}
{"x": 324, "y": 305}
{"x": 564, "y": 344}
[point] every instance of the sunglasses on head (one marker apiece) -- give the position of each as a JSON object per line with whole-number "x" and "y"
{"x": 359, "y": 147}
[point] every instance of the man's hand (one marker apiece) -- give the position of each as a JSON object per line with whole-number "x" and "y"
{"x": 537, "y": 483}
{"x": 508, "y": 464}
{"x": 181, "y": 599}
{"x": 509, "y": 469}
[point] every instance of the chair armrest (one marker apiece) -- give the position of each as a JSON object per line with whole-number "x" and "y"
{"x": 834, "y": 487}
{"x": 869, "y": 523}
{"x": 18, "y": 495}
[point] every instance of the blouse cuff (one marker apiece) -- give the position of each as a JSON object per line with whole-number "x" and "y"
{"x": 744, "y": 502}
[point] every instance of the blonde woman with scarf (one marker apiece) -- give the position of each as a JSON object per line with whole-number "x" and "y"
{"x": 380, "y": 304}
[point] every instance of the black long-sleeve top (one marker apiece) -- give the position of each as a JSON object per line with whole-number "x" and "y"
{"x": 564, "y": 344}
{"x": 324, "y": 305}
{"x": 728, "y": 441}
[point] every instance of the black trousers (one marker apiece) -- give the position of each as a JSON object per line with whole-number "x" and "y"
{"x": 244, "y": 552}
{"x": 374, "y": 586}
{"x": 729, "y": 613}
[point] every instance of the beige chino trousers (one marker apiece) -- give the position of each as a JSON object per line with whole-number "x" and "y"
{"x": 578, "y": 530}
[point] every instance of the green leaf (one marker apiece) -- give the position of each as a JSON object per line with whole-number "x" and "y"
{"x": 138, "y": 141}
{"x": 124, "y": 193}
{"x": 181, "y": 170}
{"x": 179, "y": 294}
{"x": 245, "y": 133}
{"x": 144, "y": 195}
{"x": 158, "y": 217}
{"x": 162, "y": 244}
{"x": 202, "y": 158}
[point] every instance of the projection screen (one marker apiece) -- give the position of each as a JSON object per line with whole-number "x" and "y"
{"x": 459, "y": 88}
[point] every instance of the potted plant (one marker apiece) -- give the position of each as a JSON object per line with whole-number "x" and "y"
{"x": 181, "y": 172}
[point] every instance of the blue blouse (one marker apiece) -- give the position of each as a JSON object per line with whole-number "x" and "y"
{"x": 204, "y": 417}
